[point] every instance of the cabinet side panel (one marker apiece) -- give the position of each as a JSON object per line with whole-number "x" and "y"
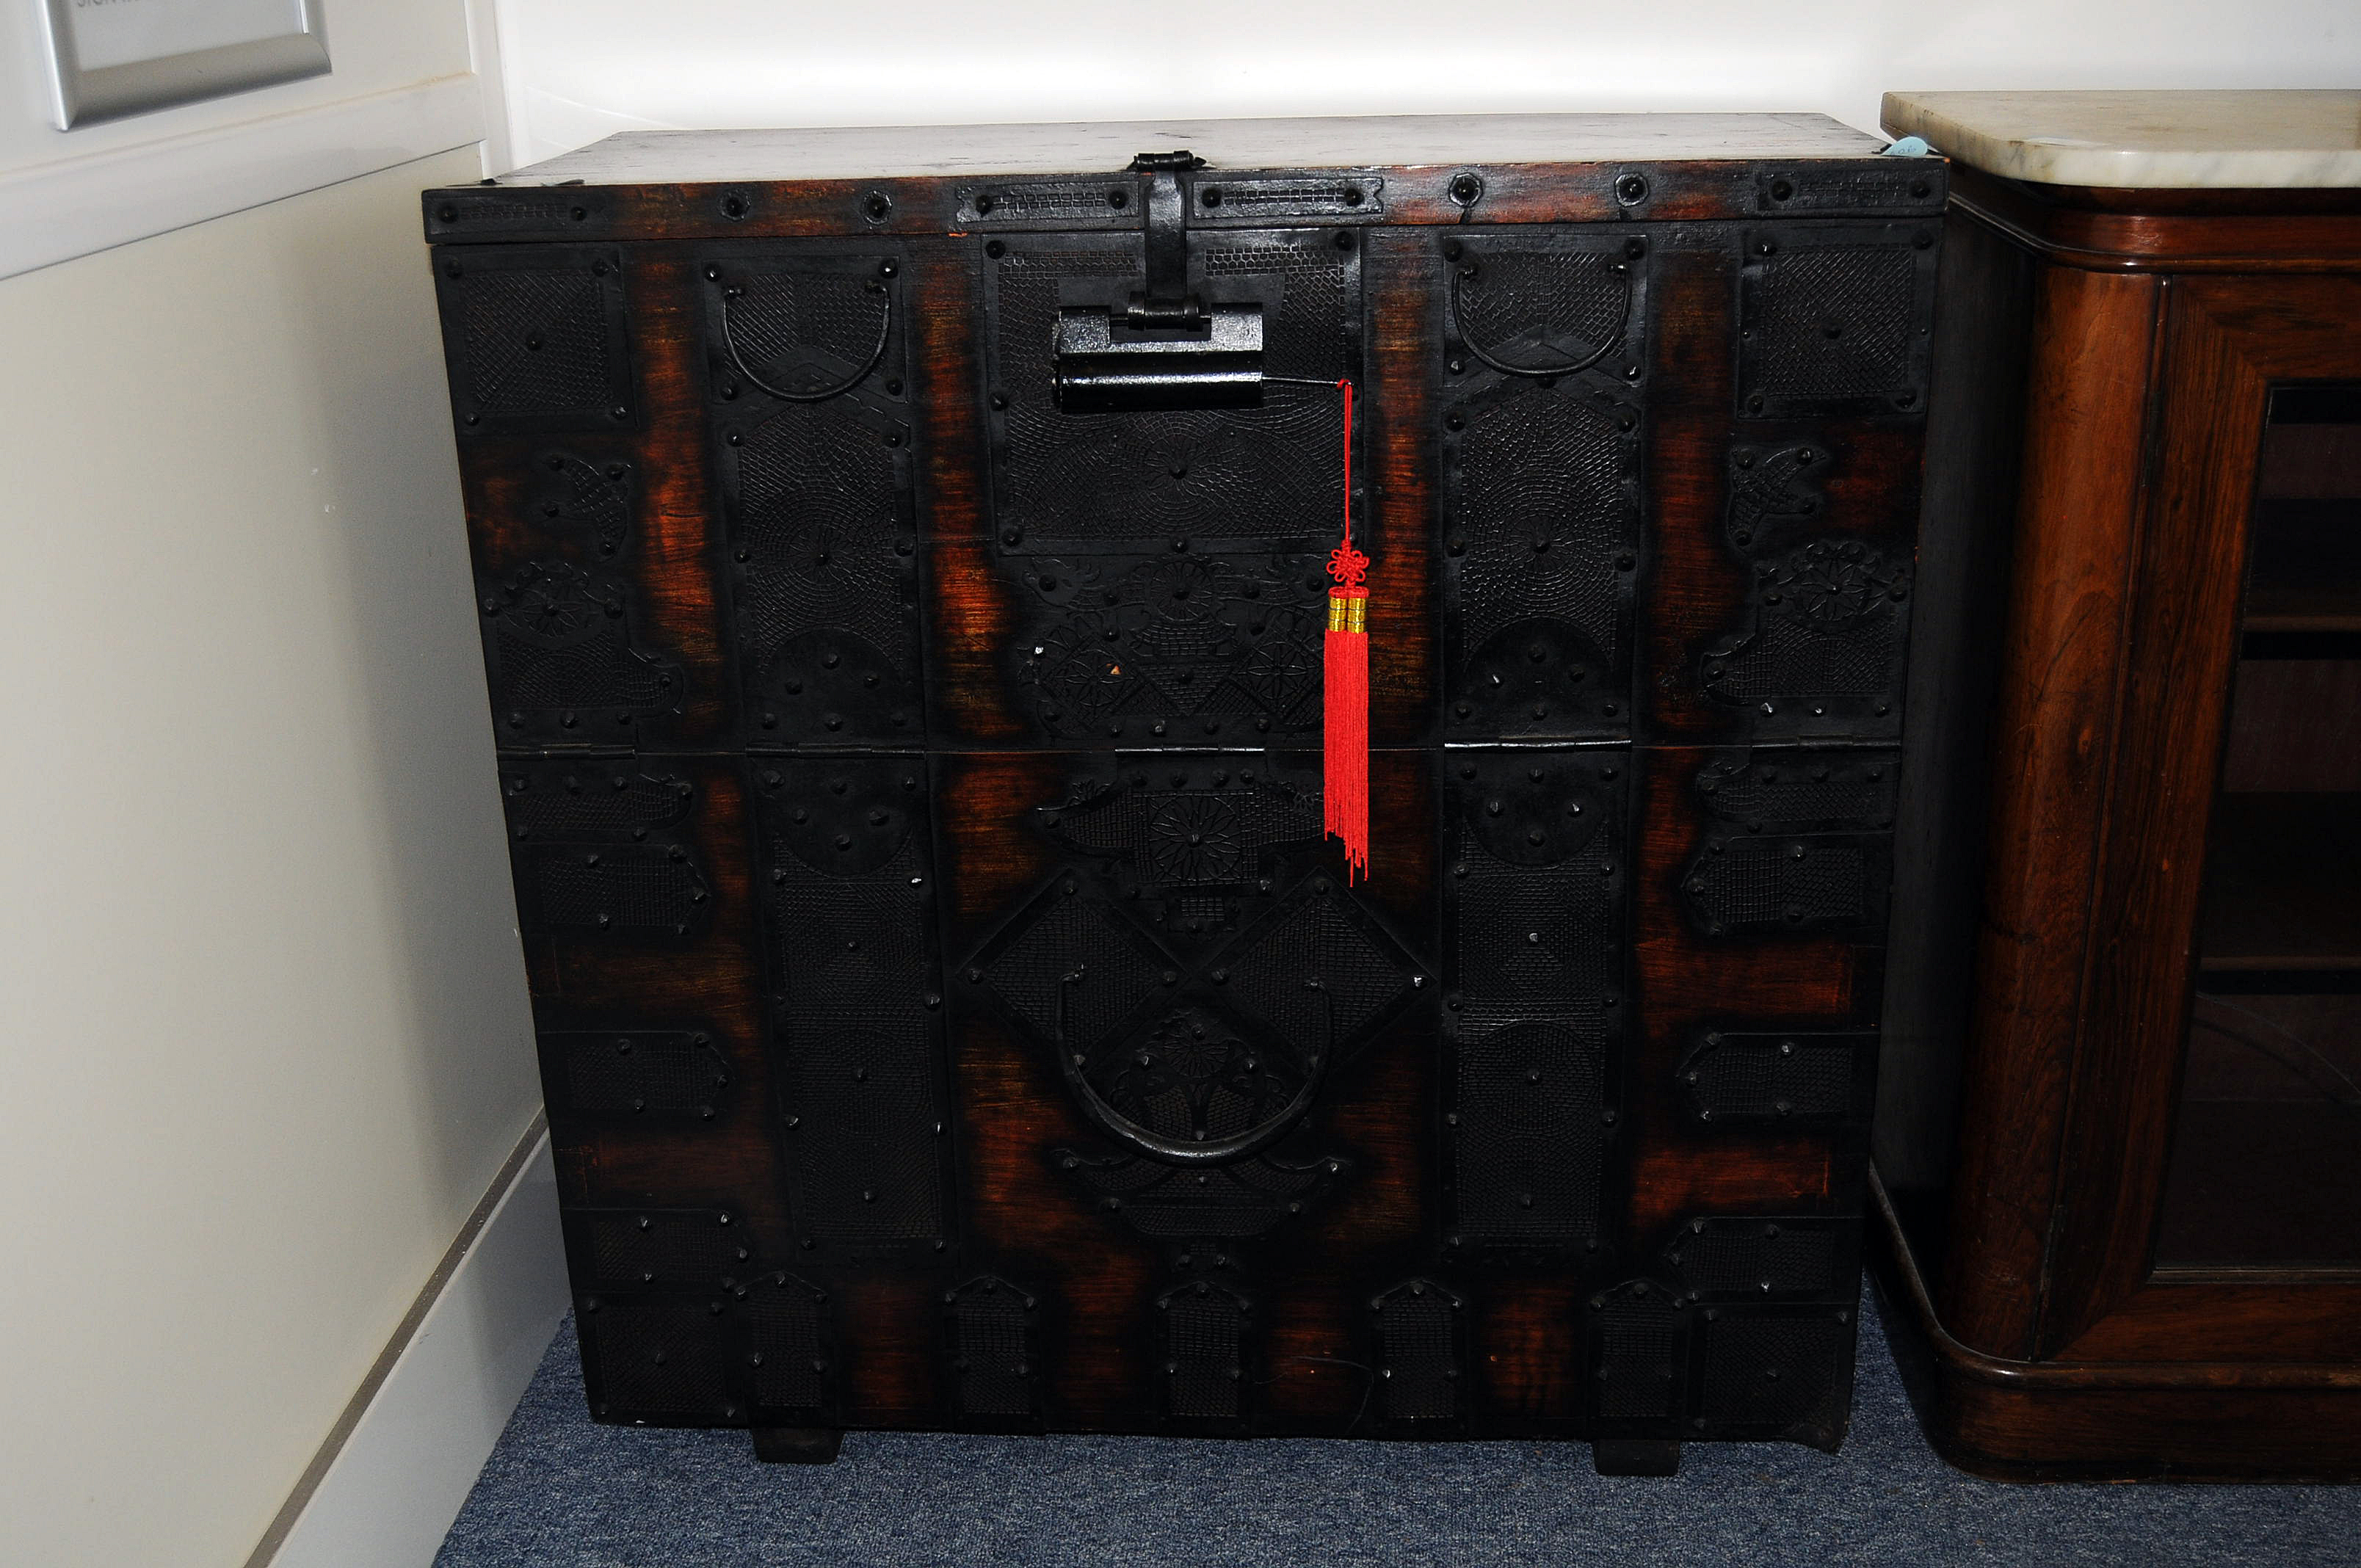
{"x": 1974, "y": 441}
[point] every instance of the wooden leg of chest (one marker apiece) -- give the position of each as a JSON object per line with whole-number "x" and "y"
{"x": 797, "y": 1445}
{"x": 1633, "y": 1456}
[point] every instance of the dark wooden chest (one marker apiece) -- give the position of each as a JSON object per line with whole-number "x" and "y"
{"x": 909, "y": 713}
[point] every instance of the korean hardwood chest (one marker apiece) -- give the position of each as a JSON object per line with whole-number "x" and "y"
{"x": 900, "y": 559}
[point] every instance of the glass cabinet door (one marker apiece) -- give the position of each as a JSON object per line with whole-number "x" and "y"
{"x": 2266, "y": 1163}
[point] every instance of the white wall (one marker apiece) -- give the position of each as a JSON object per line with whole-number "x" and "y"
{"x": 263, "y": 1030}
{"x": 578, "y": 69}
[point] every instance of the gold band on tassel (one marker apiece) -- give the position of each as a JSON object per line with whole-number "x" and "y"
{"x": 1348, "y": 614}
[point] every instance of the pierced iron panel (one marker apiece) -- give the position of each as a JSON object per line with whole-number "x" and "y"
{"x": 1548, "y": 302}
{"x": 659, "y": 1247}
{"x": 1266, "y": 478}
{"x": 1063, "y": 933}
{"x": 787, "y": 1344}
{"x": 1769, "y": 1373}
{"x": 1783, "y": 886}
{"x": 1320, "y": 935}
{"x": 802, "y": 321}
{"x": 1530, "y": 1135}
{"x": 535, "y": 339}
{"x": 590, "y": 800}
{"x": 561, "y": 660}
{"x": 660, "y": 1074}
{"x": 1534, "y": 939}
{"x": 1771, "y": 1076}
{"x": 1774, "y": 495}
{"x": 1636, "y": 1352}
{"x": 1834, "y": 320}
{"x": 813, "y": 451}
{"x": 1763, "y": 1258}
{"x": 1193, "y": 846}
{"x": 1172, "y": 958}
{"x": 587, "y": 500}
{"x": 1541, "y": 524}
{"x": 1271, "y": 197}
{"x": 822, "y": 577}
{"x": 1789, "y": 789}
{"x": 1020, "y": 204}
{"x": 856, "y": 1028}
{"x": 1758, "y": 873}
{"x": 640, "y": 893}
{"x": 1191, "y": 1075}
{"x": 1825, "y": 621}
{"x": 1248, "y": 1197}
{"x": 516, "y": 213}
{"x": 1185, "y": 915}
{"x": 1533, "y": 917}
{"x": 1204, "y": 1346}
{"x": 597, "y": 852}
{"x": 1533, "y": 902}
{"x": 1177, "y": 648}
{"x": 813, "y": 454}
{"x": 658, "y": 1359}
{"x": 1418, "y": 1353}
{"x": 991, "y": 1323}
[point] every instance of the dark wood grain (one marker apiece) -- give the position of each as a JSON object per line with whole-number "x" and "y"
{"x": 1687, "y": 980}
{"x": 1401, "y": 276}
{"x": 676, "y": 536}
{"x": 2052, "y": 744}
{"x": 2262, "y": 1321}
{"x": 2225, "y": 342}
{"x": 2175, "y": 1416}
{"x": 2228, "y": 232}
{"x": 1694, "y": 584}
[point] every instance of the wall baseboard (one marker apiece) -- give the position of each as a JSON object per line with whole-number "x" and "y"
{"x": 392, "y": 1475}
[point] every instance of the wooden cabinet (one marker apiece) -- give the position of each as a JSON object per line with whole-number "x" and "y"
{"x": 2130, "y": 959}
{"x": 952, "y": 1013}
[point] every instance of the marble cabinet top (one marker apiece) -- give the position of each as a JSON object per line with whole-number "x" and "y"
{"x": 2148, "y": 140}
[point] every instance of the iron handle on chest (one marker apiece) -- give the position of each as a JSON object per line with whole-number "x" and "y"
{"x": 1208, "y": 1151}
{"x": 1167, "y": 348}
{"x": 802, "y": 368}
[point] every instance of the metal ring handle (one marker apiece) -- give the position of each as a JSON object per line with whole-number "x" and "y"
{"x": 884, "y": 329}
{"x": 1622, "y": 319}
{"x": 1193, "y": 1151}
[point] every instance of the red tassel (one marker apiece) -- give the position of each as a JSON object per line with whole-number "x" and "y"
{"x": 1344, "y": 790}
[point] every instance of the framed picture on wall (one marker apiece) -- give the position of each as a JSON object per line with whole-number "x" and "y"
{"x": 125, "y": 56}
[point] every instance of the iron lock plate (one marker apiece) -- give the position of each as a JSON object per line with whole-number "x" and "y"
{"x": 1167, "y": 349}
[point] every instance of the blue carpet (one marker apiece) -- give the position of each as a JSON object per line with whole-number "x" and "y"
{"x": 561, "y": 1492}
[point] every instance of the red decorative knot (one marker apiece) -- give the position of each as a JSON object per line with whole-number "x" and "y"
{"x": 1348, "y": 565}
